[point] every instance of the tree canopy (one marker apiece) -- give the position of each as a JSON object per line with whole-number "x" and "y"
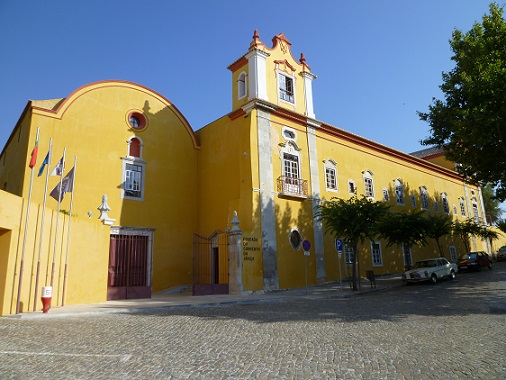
{"x": 354, "y": 220}
{"x": 470, "y": 122}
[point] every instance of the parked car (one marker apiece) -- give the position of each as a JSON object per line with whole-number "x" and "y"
{"x": 430, "y": 270}
{"x": 501, "y": 254}
{"x": 474, "y": 261}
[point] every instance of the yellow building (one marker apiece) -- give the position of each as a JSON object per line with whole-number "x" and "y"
{"x": 166, "y": 195}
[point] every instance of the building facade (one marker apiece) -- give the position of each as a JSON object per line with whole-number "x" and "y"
{"x": 147, "y": 187}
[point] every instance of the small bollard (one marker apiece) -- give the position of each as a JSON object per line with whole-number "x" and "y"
{"x": 47, "y": 293}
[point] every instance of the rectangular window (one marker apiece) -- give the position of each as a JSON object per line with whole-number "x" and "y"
{"x": 462, "y": 208}
{"x": 413, "y": 201}
{"x": 290, "y": 165}
{"x": 133, "y": 180}
{"x": 436, "y": 206}
{"x": 386, "y": 197}
{"x": 330, "y": 177}
{"x": 453, "y": 254}
{"x": 348, "y": 254}
{"x": 377, "y": 259}
{"x": 286, "y": 88}
{"x": 351, "y": 187}
{"x": 399, "y": 194}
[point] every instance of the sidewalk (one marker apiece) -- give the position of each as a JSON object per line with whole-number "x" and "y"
{"x": 183, "y": 298}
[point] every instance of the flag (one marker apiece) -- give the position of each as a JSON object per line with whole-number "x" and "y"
{"x": 44, "y": 163}
{"x": 58, "y": 169}
{"x": 67, "y": 185}
{"x": 35, "y": 150}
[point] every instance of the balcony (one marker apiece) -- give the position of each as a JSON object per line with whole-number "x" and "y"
{"x": 292, "y": 187}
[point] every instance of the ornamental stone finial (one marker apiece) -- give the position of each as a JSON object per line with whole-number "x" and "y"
{"x": 104, "y": 208}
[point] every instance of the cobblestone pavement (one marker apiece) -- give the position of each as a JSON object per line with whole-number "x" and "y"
{"x": 451, "y": 330}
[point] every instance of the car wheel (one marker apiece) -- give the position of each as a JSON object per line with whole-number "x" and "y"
{"x": 452, "y": 275}
{"x": 433, "y": 278}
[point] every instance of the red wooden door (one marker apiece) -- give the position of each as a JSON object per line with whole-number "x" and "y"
{"x": 128, "y": 267}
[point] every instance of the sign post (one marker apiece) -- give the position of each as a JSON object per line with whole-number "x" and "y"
{"x": 306, "y": 245}
{"x": 339, "y": 249}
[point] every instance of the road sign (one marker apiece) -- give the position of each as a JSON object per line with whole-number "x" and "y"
{"x": 339, "y": 245}
{"x": 306, "y": 245}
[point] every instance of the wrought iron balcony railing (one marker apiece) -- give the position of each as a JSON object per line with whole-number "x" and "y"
{"x": 292, "y": 186}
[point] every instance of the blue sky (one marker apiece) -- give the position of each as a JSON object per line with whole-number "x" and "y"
{"x": 377, "y": 61}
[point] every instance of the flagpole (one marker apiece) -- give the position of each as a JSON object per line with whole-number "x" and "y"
{"x": 42, "y": 223}
{"x": 57, "y": 216}
{"x": 68, "y": 234}
{"x": 34, "y": 158}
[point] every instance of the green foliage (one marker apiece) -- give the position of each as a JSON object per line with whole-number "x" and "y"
{"x": 407, "y": 228}
{"x": 490, "y": 203}
{"x": 353, "y": 220}
{"x": 470, "y": 123}
{"x": 438, "y": 226}
{"x": 470, "y": 228}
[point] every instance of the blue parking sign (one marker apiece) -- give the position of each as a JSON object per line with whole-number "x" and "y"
{"x": 339, "y": 245}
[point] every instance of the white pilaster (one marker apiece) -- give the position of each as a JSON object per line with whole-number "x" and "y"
{"x": 257, "y": 78}
{"x": 308, "y": 93}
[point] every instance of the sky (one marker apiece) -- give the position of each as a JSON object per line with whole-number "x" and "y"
{"x": 377, "y": 62}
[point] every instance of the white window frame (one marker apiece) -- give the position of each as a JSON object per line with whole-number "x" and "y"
{"x": 282, "y": 87}
{"x": 352, "y": 187}
{"x": 476, "y": 214}
{"x": 399, "y": 192}
{"x": 376, "y": 254}
{"x": 446, "y": 204}
{"x": 135, "y": 161}
{"x": 424, "y": 198}
{"x": 348, "y": 254}
{"x": 453, "y": 254}
{"x": 462, "y": 207}
{"x": 242, "y": 85}
{"x": 406, "y": 249}
{"x": 386, "y": 195}
{"x": 368, "y": 181}
{"x": 330, "y": 170}
{"x": 126, "y": 161}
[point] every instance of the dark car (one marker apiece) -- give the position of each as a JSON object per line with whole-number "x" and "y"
{"x": 501, "y": 254}
{"x": 474, "y": 261}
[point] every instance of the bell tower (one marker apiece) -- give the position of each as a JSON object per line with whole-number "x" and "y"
{"x": 273, "y": 75}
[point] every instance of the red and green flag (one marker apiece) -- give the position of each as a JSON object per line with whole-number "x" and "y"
{"x": 35, "y": 150}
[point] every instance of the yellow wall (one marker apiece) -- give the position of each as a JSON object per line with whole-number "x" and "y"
{"x": 86, "y": 265}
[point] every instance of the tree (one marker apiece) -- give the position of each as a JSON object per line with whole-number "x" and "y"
{"x": 404, "y": 229}
{"x": 470, "y": 123}
{"x": 490, "y": 203}
{"x": 470, "y": 228}
{"x": 438, "y": 226}
{"x": 354, "y": 220}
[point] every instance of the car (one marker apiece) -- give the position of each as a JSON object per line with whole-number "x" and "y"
{"x": 430, "y": 270}
{"x": 501, "y": 254}
{"x": 474, "y": 261}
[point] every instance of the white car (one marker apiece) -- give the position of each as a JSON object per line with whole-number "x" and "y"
{"x": 430, "y": 270}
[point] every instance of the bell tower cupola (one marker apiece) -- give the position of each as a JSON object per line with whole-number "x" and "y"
{"x": 274, "y": 76}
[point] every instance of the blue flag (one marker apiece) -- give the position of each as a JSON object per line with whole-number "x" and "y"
{"x": 44, "y": 163}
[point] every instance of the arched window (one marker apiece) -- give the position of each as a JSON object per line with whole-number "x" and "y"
{"x": 134, "y": 147}
{"x": 330, "y": 175}
{"x": 241, "y": 86}
{"x": 368, "y": 184}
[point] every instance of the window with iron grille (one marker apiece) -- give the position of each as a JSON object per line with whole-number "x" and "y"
{"x": 349, "y": 254}
{"x": 286, "y": 88}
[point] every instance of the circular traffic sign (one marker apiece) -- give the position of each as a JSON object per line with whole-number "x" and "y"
{"x": 306, "y": 245}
